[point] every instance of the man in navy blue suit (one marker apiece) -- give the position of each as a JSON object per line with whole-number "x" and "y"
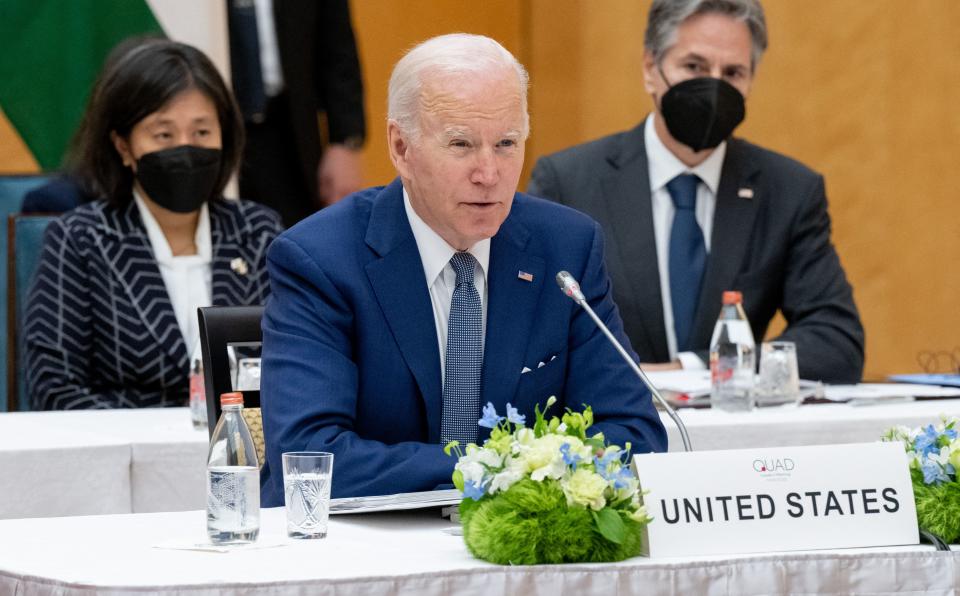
{"x": 398, "y": 312}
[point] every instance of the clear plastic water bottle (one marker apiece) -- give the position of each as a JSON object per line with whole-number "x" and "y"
{"x": 732, "y": 358}
{"x": 233, "y": 478}
{"x": 198, "y": 395}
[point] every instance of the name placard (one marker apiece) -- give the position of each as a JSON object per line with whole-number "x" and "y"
{"x": 777, "y": 498}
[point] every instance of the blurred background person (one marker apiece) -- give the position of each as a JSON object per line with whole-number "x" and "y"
{"x": 690, "y": 211}
{"x": 297, "y": 78}
{"x": 111, "y": 314}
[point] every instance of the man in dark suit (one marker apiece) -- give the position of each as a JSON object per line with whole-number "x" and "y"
{"x": 690, "y": 212}
{"x": 399, "y": 311}
{"x": 294, "y": 68}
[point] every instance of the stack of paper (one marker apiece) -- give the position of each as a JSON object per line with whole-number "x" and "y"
{"x": 430, "y": 498}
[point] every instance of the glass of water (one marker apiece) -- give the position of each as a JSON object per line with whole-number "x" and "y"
{"x": 779, "y": 380}
{"x": 306, "y": 486}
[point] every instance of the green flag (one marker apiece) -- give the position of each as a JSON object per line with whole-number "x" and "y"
{"x": 51, "y": 52}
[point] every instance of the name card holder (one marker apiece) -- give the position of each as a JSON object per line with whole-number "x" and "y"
{"x": 777, "y": 499}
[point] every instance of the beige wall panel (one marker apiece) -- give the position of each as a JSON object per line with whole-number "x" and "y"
{"x": 385, "y": 29}
{"x": 863, "y": 92}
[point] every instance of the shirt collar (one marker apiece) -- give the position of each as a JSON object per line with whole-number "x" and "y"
{"x": 161, "y": 248}
{"x": 434, "y": 250}
{"x": 663, "y": 166}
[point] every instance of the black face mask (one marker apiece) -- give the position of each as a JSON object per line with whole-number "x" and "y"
{"x": 180, "y": 179}
{"x": 701, "y": 113}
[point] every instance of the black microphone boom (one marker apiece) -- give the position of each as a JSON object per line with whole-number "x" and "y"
{"x": 571, "y": 288}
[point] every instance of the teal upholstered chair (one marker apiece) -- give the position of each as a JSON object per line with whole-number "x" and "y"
{"x": 25, "y": 235}
{"x": 12, "y": 190}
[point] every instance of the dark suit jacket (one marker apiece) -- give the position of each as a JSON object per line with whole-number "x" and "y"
{"x": 774, "y": 247}
{"x": 99, "y": 329}
{"x": 351, "y": 363}
{"x": 57, "y": 196}
{"x": 318, "y": 55}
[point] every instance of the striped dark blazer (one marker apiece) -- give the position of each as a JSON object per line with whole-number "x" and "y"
{"x": 99, "y": 328}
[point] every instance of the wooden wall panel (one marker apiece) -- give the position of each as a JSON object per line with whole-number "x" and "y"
{"x": 864, "y": 92}
{"x": 385, "y": 29}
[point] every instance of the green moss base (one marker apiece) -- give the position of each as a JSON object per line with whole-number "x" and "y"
{"x": 530, "y": 524}
{"x": 938, "y": 509}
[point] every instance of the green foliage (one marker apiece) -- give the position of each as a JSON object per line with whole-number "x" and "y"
{"x": 938, "y": 508}
{"x": 531, "y": 524}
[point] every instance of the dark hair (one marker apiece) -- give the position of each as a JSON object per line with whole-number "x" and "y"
{"x": 666, "y": 16}
{"x": 134, "y": 84}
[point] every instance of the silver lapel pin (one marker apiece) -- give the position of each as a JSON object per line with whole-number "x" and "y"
{"x": 745, "y": 193}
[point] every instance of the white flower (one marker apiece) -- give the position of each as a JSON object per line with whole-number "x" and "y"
{"x": 584, "y": 487}
{"x": 489, "y": 458}
{"x": 472, "y": 471}
{"x": 503, "y": 480}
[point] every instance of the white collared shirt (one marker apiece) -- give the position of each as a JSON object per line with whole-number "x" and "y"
{"x": 441, "y": 278}
{"x": 188, "y": 278}
{"x": 269, "y": 51}
{"x": 663, "y": 166}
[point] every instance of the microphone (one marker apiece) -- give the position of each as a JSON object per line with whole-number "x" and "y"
{"x": 571, "y": 288}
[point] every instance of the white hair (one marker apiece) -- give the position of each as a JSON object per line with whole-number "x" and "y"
{"x": 452, "y": 54}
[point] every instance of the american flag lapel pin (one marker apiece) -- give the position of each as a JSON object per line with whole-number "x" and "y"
{"x": 745, "y": 193}
{"x": 524, "y": 276}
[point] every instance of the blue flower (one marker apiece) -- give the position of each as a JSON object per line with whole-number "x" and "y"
{"x": 601, "y": 463}
{"x": 570, "y": 460}
{"x": 622, "y": 478}
{"x": 472, "y": 490}
{"x": 490, "y": 418}
{"x": 933, "y": 473}
{"x": 514, "y": 416}
{"x": 926, "y": 443}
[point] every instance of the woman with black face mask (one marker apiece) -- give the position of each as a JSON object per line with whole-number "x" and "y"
{"x": 111, "y": 317}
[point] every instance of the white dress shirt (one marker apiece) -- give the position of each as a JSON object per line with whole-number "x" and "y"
{"x": 441, "y": 278}
{"x": 663, "y": 166}
{"x": 269, "y": 52}
{"x": 188, "y": 278}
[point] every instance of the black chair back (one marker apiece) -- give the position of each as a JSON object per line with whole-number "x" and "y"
{"x": 221, "y": 326}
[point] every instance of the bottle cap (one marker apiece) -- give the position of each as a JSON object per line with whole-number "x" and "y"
{"x": 234, "y": 398}
{"x": 730, "y": 297}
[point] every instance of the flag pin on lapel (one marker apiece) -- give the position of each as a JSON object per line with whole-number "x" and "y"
{"x": 745, "y": 193}
{"x": 524, "y": 276}
{"x": 239, "y": 266}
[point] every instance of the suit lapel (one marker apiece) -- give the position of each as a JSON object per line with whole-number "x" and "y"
{"x": 511, "y": 310}
{"x": 234, "y": 256}
{"x": 732, "y": 226}
{"x": 135, "y": 267}
{"x": 634, "y": 239}
{"x": 401, "y": 290}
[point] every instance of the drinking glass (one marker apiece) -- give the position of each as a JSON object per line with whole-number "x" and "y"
{"x": 306, "y": 486}
{"x": 779, "y": 381}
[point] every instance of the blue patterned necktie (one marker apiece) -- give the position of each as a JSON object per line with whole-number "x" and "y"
{"x": 464, "y": 356}
{"x": 688, "y": 257}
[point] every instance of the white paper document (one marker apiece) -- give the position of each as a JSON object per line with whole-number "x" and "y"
{"x": 886, "y": 391}
{"x": 420, "y": 500}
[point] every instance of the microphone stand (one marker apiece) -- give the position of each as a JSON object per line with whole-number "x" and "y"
{"x": 571, "y": 288}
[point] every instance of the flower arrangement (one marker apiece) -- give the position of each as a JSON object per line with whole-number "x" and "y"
{"x": 934, "y": 455}
{"x": 547, "y": 494}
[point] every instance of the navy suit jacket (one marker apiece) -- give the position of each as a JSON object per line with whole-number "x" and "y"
{"x": 773, "y": 245}
{"x": 351, "y": 363}
{"x": 99, "y": 328}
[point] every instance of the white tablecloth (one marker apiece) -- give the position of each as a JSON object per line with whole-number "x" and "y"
{"x": 100, "y": 461}
{"x": 122, "y": 461}
{"x": 411, "y": 553}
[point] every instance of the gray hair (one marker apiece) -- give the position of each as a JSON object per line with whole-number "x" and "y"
{"x": 454, "y": 53}
{"x": 667, "y": 15}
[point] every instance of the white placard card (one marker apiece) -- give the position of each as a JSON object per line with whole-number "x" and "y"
{"x": 777, "y": 498}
